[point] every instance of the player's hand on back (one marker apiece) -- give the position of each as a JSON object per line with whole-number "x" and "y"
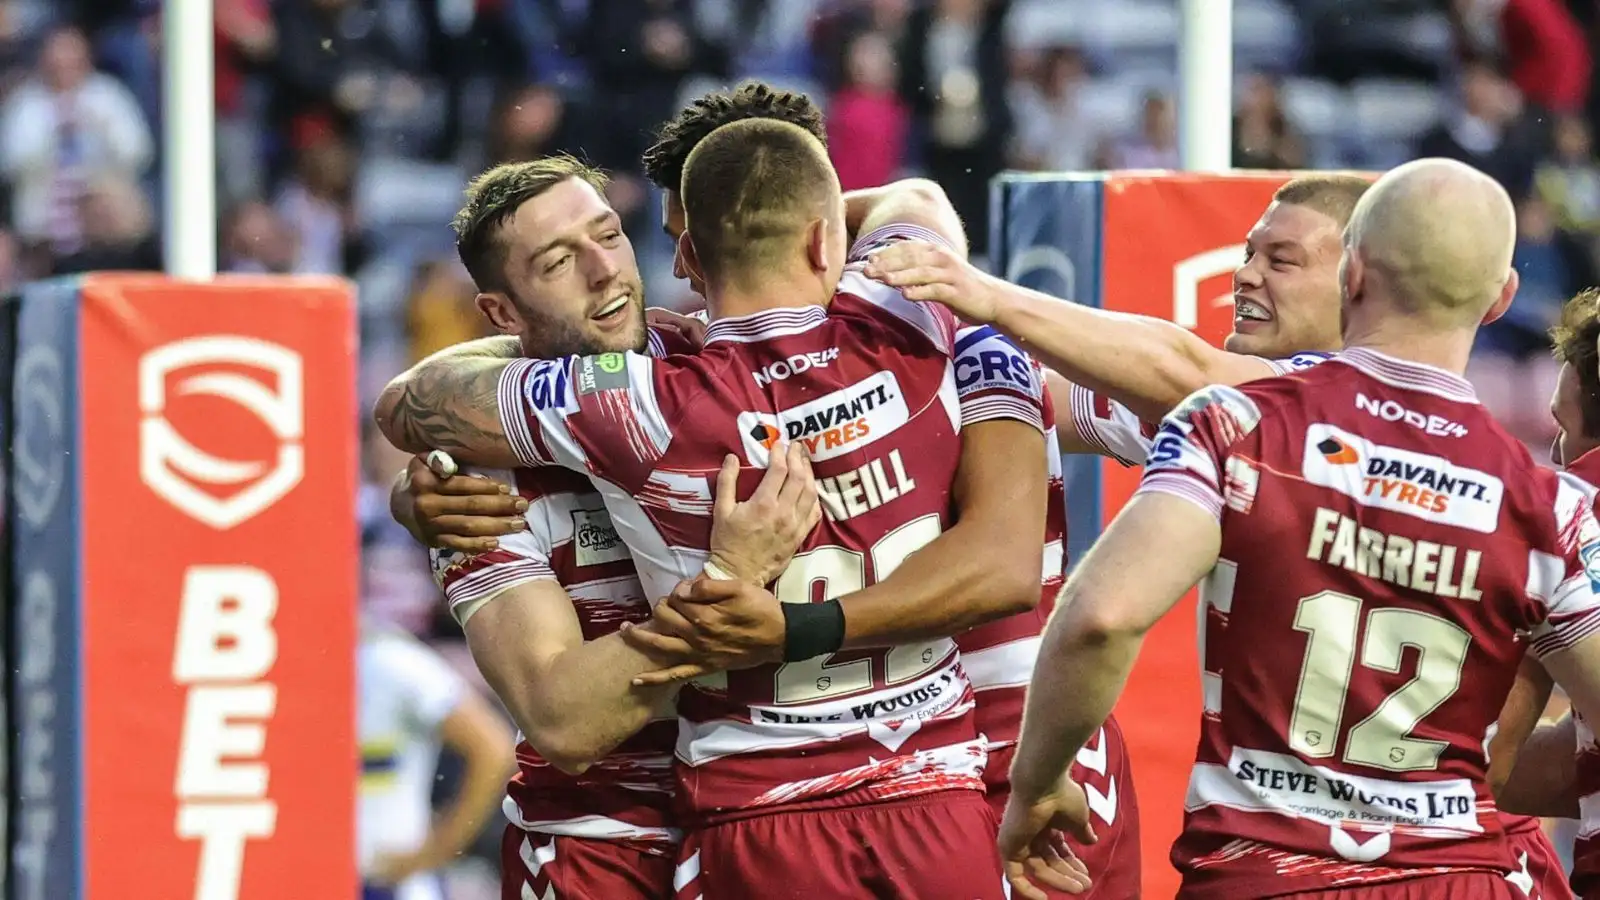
{"x": 752, "y": 540}
{"x": 712, "y": 625}
{"x": 1031, "y": 845}
{"x": 689, "y": 328}
{"x": 453, "y": 511}
{"x": 930, "y": 273}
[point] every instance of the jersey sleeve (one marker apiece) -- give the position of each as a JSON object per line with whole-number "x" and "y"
{"x": 1567, "y": 582}
{"x": 933, "y": 319}
{"x": 1189, "y": 456}
{"x": 470, "y": 581}
{"x": 996, "y": 380}
{"x": 598, "y": 415}
{"x": 1297, "y": 363}
{"x": 1112, "y": 428}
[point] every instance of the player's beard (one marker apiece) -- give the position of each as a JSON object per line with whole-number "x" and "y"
{"x": 548, "y": 336}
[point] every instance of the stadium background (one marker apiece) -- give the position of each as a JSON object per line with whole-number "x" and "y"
{"x": 347, "y": 127}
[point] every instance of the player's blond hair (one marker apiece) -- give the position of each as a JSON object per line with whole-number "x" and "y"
{"x": 749, "y": 191}
{"x": 1334, "y": 194}
{"x": 1438, "y": 235}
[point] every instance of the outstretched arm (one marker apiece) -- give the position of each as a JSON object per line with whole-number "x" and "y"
{"x": 450, "y": 401}
{"x": 1543, "y": 781}
{"x": 1146, "y": 363}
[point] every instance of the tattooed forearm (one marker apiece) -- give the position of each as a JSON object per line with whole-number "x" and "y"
{"x": 448, "y": 404}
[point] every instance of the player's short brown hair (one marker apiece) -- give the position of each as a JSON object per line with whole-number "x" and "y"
{"x": 1577, "y": 342}
{"x": 494, "y": 197}
{"x": 664, "y": 161}
{"x": 748, "y": 191}
{"x": 1334, "y": 194}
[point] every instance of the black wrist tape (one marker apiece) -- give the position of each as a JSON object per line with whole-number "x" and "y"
{"x": 812, "y": 629}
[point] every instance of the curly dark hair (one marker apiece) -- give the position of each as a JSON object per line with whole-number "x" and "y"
{"x": 663, "y": 162}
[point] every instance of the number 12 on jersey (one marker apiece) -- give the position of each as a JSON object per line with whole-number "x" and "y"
{"x": 841, "y": 571}
{"x": 1332, "y": 623}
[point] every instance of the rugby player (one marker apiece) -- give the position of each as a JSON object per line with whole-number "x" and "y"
{"x": 1126, "y": 371}
{"x": 1344, "y": 551}
{"x": 589, "y": 810}
{"x": 929, "y": 686}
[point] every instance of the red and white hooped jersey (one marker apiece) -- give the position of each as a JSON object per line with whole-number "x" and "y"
{"x": 1586, "y": 850}
{"x": 1379, "y": 581}
{"x": 570, "y": 540}
{"x": 869, "y": 385}
{"x": 1117, "y": 432}
{"x": 996, "y": 380}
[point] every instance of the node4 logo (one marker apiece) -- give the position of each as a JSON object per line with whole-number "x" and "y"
{"x": 176, "y": 469}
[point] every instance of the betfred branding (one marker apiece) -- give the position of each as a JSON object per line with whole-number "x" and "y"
{"x": 594, "y": 539}
{"x": 1392, "y": 411}
{"x": 795, "y": 365}
{"x": 833, "y": 425}
{"x": 210, "y": 716}
{"x": 1416, "y": 484}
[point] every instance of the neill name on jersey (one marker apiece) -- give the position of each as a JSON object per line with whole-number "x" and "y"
{"x": 864, "y": 488}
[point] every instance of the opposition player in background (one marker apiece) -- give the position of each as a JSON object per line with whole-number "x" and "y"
{"x": 882, "y": 734}
{"x": 1118, "y": 373}
{"x": 589, "y": 811}
{"x": 410, "y": 704}
{"x": 1342, "y": 744}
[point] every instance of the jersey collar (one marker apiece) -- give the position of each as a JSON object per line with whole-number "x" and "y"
{"x": 1404, "y": 373}
{"x": 766, "y": 324}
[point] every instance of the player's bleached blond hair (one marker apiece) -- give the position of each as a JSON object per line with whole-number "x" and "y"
{"x": 749, "y": 190}
{"x": 1438, "y": 235}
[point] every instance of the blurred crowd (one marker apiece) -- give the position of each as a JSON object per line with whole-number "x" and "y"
{"x": 346, "y": 129}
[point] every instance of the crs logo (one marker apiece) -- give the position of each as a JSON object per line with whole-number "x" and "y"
{"x": 1189, "y": 274}
{"x": 794, "y": 365}
{"x": 177, "y": 470}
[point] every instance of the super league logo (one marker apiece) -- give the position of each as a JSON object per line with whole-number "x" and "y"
{"x": 1189, "y": 274}
{"x": 179, "y": 471}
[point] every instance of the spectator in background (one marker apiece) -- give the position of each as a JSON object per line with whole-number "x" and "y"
{"x": 1488, "y": 129}
{"x": 867, "y": 116}
{"x": 529, "y": 122}
{"x": 441, "y": 309}
{"x": 1546, "y": 52}
{"x": 1263, "y": 138}
{"x": 1569, "y": 181}
{"x": 1511, "y": 361}
{"x": 1156, "y": 144}
{"x": 64, "y": 128}
{"x": 118, "y": 230}
{"x": 330, "y": 66}
{"x": 256, "y": 240}
{"x": 1053, "y": 131}
{"x": 836, "y": 22}
{"x": 246, "y": 40}
{"x": 316, "y": 205}
{"x": 953, "y": 74}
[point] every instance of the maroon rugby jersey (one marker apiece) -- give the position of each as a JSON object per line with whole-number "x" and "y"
{"x": 1586, "y": 851}
{"x": 996, "y": 380}
{"x": 570, "y": 540}
{"x": 868, "y": 385}
{"x": 1377, "y": 579}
